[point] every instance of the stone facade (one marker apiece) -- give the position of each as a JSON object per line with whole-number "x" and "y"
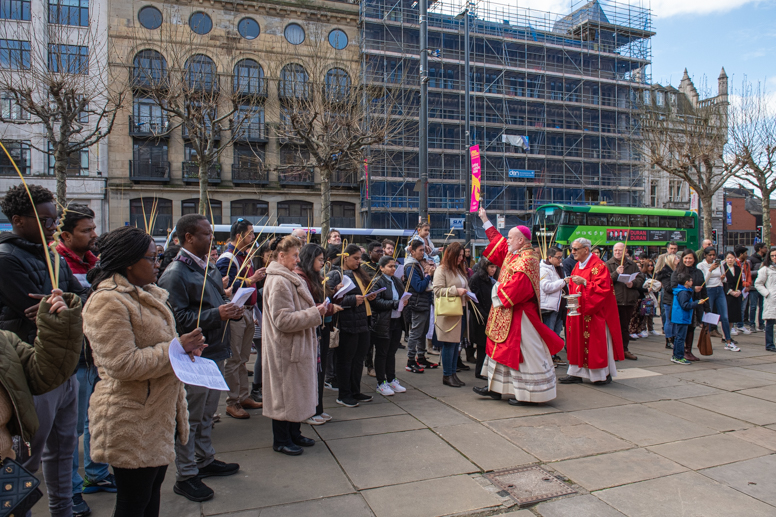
{"x": 263, "y": 192}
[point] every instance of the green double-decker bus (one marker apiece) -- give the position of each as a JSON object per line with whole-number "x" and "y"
{"x": 649, "y": 229}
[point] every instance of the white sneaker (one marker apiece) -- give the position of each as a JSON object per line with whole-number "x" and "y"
{"x": 732, "y": 347}
{"x": 396, "y": 387}
{"x": 327, "y": 417}
{"x": 745, "y": 330}
{"x": 657, "y": 333}
{"x": 733, "y": 331}
{"x": 644, "y": 333}
{"x": 384, "y": 389}
{"x": 315, "y": 420}
{"x": 634, "y": 336}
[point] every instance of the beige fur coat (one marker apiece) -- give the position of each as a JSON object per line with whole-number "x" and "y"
{"x": 289, "y": 347}
{"x": 138, "y": 402}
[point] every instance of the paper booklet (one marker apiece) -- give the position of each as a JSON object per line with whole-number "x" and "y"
{"x": 199, "y": 372}
{"x": 627, "y": 278}
{"x": 347, "y": 286}
{"x": 242, "y": 295}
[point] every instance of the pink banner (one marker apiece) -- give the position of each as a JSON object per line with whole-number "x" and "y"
{"x": 476, "y": 175}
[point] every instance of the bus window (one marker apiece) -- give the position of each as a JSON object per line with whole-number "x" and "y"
{"x": 548, "y": 216}
{"x": 637, "y": 221}
{"x": 654, "y": 221}
{"x": 668, "y": 222}
{"x": 618, "y": 220}
{"x": 577, "y": 218}
{"x": 687, "y": 223}
{"x": 596, "y": 219}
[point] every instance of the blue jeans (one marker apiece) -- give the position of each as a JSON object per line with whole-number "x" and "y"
{"x": 669, "y": 329}
{"x": 718, "y": 305}
{"x": 87, "y": 377}
{"x": 769, "y": 345}
{"x": 755, "y": 302}
{"x": 679, "y": 338}
{"x": 552, "y": 320}
{"x": 449, "y": 358}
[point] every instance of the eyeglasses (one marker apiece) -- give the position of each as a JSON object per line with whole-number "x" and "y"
{"x": 575, "y": 249}
{"x": 47, "y": 222}
{"x": 153, "y": 260}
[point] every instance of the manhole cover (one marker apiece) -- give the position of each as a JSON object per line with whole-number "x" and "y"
{"x": 528, "y": 485}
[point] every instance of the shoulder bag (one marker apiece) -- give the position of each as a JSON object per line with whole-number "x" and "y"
{"x": 704, "y": 341}
{"x": 18, "y": 489}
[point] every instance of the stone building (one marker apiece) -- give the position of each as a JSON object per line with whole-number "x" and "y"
{"x": 27, "y": 28}
{"x": 666, "y": 191}
{"x": 254, "y": 46}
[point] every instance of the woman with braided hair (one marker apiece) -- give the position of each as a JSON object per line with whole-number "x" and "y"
{"x": 139, "y": 403}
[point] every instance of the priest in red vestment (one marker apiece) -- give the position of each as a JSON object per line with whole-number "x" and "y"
{"x": 593, "y": 340}
{"x": 519, "y": 346}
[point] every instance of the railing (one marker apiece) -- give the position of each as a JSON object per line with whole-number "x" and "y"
{"x": 249, "y": 87}
{"x": 190, "y": 172}
{"x": 216, "y": 132}
{"x": 8, "y": 170}
{"x": 146, "y": 170}
{"x": 342, "y": 222}
{"x": 302, "y": 176}
{"x": 249, "y": 175}
{"x": 347, "y": 179}
{"x": 251, "y": 132}
{"x": 148, "y": 126}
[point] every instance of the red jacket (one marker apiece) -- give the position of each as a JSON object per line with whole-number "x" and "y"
{"x": 77, "y": 266}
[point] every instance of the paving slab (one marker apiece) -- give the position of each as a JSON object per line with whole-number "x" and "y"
{"x": 617, "y": 468}
{"x": 366, "y": 426}
{"x": 268, "y": 478}
{"x": 485, "y": 409}
{"x": 698, "y": 415}
{"x": 628, "y": 392}
{"x": 761, "y": 436}
{"x": 433, "y": 413}
{"x": 650, "y": 383}
{"x": 484, "y": 447}
{"x": 352, "y": 505}
{"x": 764, "y": 392}
{"x": 444, "y": 496}
{"x": 688, "y": 494}
{"x": 742, "y": 407}
{"x": 709, "y": 451}
{"x": 239, "y": 435}
{"x": 765, "y": 367}
{"x": 634, "y": 373}
{"x": 557, "y": 437}
{"x": 642, "y": 425}
{"x": 728, "y": 379}
{"x": 364, "y": 410}
{"x": 574, "y": 397}
{"x": 684, "y": 391}
{"x": 755, "y": 477}
{"x": 381, "y": 460}
{"x": 579, "y": 506}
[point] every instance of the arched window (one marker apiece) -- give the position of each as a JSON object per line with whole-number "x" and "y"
{"x": 191, "y": 206}
{"x": 254, "y": 210}
{"x": 337, "y": 84}
{"x": 249, "y": 78}
{"x": 295, "y": 212}
{"x": 149, "y": 68}
{"x": 293, "y": 81}
{"x": 163, "y": 220}
{"x": 343, "y": 214}
{"x": 201, "y": 73}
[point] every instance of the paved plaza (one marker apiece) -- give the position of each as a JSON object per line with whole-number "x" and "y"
{"x": 662, "y": 440}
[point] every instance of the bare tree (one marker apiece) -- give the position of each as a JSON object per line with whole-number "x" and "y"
{"x": 213, "y": 109}
{"x": 57, "y": 79}
{"x": 689, "y": 141}
{"x": 331, "y": 115}
{"x": 753, "y": 142}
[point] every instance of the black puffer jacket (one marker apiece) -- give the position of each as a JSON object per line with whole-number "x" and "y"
{"x": 183, "y": 279}
{"x": 664, "y": 277}
{"x": 23, "y": 271}
{"x": 383, "y": 305}
{"x": 352, "y": 319}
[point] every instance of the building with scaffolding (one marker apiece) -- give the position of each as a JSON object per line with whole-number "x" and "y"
{"x": 553, "y": 107}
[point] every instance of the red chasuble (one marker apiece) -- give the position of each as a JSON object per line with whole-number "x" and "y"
{"x": 586, "y": 333}
{"x": 519, "y": 292}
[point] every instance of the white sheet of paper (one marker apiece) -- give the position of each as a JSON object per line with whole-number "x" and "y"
{"x": 378, "y": 290}
{"x": 627, "y": 278}
{"x": 399, "y": 271}
{"x": 401, "y": 300}
{"x": 242, "y": 295}
{"x": 711, "y": 318}
{"x": 347, "y": 286}
{"x": 744, "y": 294}
{"x": 200, "y": 372}
{"x": 472, "y": 296}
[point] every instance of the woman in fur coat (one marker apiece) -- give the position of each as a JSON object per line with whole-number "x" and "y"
{"x": 289, "y": 361}
{"x": 139, "y": 402}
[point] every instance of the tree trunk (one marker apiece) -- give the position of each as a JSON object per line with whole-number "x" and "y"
{"x": 60, "y": 172}
{"x": 325, "y": 204}
{"x": 766, "y": 196}
{"x": 203, "y": 184}
{"x": 706, "y": 210}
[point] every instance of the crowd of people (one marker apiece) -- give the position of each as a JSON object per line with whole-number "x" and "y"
{"x": 91, "y": 356}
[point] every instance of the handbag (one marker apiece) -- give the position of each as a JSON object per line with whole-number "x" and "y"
{"x": 18, "y": 489}
{"x": 704, "y": 341}
{"x": 448, "y": 306}
{"x": 334, "y": 336}
{"x": 647, "y": 307}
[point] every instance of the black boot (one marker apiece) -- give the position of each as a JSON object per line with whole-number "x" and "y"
{"x": 470, "y": 355}
{"x": 459, "y": 381}
{"x": 450, "y": 381}
{"x": 462, "y": 366}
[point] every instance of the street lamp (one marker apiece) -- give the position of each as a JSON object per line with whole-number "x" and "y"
{"x": 423, "y": 129}
{"x": 467, "y": 127}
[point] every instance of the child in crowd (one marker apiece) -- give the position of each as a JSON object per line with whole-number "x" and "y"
{"x": 681, "y": 315}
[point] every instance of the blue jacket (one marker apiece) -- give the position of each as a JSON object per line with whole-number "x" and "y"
{"x": 681, "y": 311}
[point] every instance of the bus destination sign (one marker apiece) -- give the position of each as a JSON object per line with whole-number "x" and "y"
{"x": 626, "y": 234}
